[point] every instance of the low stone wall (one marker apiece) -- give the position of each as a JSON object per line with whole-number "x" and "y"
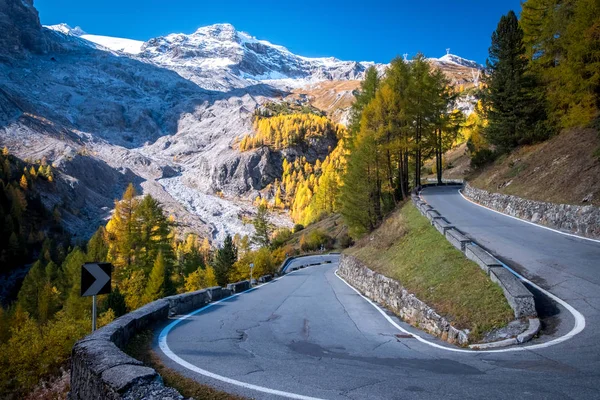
{"x": 580, "y": 220}
{"x": 397, "y": 299}
{"x": 239, "y": 287}
{"x": 101, "y": 370}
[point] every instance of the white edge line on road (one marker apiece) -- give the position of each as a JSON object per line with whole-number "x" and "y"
{"x": 579, "y": 324}
{"x": 162, "y": 342}
{"x": 527, "y": 222}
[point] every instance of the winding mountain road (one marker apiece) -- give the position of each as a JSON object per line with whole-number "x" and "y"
{"x": 309, "y": 335}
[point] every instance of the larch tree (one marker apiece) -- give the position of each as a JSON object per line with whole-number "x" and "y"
{"x": 366, "y": 93}
{"x": 124, "y": 234}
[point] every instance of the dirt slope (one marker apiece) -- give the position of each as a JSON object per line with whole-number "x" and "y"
{"x": 561, "y": 170}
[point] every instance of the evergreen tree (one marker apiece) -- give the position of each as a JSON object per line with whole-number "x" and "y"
{"x": 75, "y": 305}
{"x": 262, "y": 227}
{"x": 31, "y": 290}
{"x": 514, "y": 108}
{"x": 116, "y": 301}
{"x": 563, "y": 45}
{"x": 155, "y": 288}
{"x": 225, "y": 257}
{"x": 97, "y": 249}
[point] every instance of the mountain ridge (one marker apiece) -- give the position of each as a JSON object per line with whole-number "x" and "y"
{"x": 162, "y": 118}
{"x": 201, "y": 49}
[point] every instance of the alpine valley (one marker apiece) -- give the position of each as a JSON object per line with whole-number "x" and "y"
{"x": 166, "y": 114}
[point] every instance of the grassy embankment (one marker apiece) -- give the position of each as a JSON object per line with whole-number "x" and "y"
{"x": 332, "y": 226}
{"x": 140, "y": 348}
{"x": 407, "y": 248}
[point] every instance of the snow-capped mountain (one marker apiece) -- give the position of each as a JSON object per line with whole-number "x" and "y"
{"x": 222, "y": 46}
{"x": 454, "y": 59}
{"x": 164, "y": 114}
{"x": 238, "y": 57}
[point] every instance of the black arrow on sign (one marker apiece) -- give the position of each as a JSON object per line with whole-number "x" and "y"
{"x": 95, "y": 279}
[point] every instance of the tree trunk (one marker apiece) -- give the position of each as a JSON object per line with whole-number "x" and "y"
{"x": 438, "y": 155}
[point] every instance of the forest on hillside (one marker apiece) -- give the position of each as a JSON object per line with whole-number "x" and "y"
{"x": 151, "y": 260}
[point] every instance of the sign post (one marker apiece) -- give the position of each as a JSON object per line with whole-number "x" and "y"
{"x": 93, "y": 313}
{"x": 95, "y": 280}
{"x": 251, "y": 268}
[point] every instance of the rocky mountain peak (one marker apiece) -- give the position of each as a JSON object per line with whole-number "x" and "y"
{"x": 454, "y": 59}
{"x": 222, "y": 32}
{"x": 66, "y": 29}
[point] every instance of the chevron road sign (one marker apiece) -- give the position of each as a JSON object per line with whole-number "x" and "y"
{"x": 95, "y": 278}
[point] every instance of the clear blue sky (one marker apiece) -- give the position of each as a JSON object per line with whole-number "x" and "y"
{"x": 363, "y": 31}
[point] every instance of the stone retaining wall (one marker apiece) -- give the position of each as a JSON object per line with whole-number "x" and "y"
{"x": 580, "y": 220}
{"x": 391, "y": 294}
{"x": 101, "y": 370}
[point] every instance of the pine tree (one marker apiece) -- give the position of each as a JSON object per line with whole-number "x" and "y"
{"x": 155, "y": 288}
{"x": 563, "y": 45}
{"x": 97, "y": 249}
{"x": 514, "y": 109}
{"x": 31, "y": 290}
{"x": 225, "y": 257}
{"x": 75, "y": 305}
{"x": 262, "y": 227}
{"x": 116, "y": 301}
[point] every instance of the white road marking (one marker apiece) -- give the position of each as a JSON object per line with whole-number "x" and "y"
{"x": 528, "y": 222}
{"x": 579, "y": 324}
{"x": 162, "y": 342}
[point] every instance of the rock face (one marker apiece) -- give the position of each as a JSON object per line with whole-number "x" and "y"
{"x": 21, "y": 29}
{"x": 397, "y": 299}
{"x": 580, "y": 220}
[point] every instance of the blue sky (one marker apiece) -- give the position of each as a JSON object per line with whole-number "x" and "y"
{"x": 364, "y": 31}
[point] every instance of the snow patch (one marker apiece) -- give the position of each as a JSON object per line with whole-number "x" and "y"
{"x": 128, "y": 46}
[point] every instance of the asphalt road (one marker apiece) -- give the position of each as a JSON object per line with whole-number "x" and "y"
{"x": 309, "y": 334}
